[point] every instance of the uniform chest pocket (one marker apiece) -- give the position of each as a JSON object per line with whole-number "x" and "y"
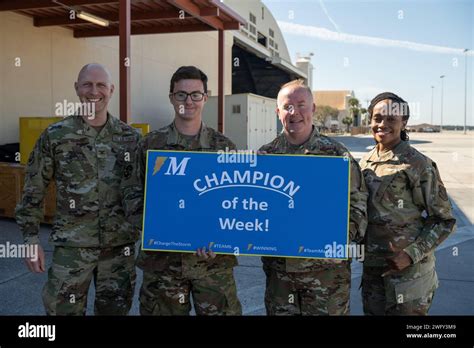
{"x": 73, "y": 161}
{"x": 372, "y": 181}
{"x": 398, "y": 188}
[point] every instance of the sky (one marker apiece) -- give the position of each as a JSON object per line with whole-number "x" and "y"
{"x": 387, "y": 45}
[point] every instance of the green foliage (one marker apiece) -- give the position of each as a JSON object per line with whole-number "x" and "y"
{"x": 323, "y": 112}
{"x": 347, "y": 121}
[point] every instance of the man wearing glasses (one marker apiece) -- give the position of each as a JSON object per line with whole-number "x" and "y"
{"x": 170, "y": 278}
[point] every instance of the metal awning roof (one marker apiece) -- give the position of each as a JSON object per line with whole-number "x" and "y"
{"x": 135, "y": 17}
{"x": 147, "y": 16}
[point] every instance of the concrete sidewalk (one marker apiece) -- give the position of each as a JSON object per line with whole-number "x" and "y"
{"x": 20, "y": 291}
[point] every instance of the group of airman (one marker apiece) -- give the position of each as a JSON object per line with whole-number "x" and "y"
{"x": 98, "y": 165}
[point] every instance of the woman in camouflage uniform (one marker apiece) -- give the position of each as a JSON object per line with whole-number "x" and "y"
{"x": 409, "y": 216}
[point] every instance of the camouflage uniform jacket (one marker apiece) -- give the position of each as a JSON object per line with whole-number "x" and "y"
{"x": 320, "y": 145}
{"x": 408, "y": 205}
{"x": 168, "y": 138}
{"x": 87, "y": 168}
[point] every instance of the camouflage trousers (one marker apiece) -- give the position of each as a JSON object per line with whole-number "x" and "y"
{"x": 70, "y": 275}
{"x": 380, "y": 297}
{"x": 168, "y": 293}
{"x": 322, "y": 292}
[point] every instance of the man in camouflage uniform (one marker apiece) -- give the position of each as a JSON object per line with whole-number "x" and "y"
{"x": 169, "y": 278}
{"x": 409, "y": 216}
{"x": 85, "y": 156}
{"x": 296, "y": 286}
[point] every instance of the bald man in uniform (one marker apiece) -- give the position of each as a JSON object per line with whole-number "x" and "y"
{"x": 86, "y": 155}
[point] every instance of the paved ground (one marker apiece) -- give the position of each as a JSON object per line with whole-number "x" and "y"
{"x": 20, "y": 291}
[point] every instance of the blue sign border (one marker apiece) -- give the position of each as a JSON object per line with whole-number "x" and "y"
{"x": 244, "y": 254}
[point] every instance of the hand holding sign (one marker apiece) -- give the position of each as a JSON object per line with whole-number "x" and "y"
{"x": 202, "y": 253}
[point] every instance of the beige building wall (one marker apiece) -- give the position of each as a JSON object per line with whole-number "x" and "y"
{"x": 50, "y": 57}
{"x": 336, "y": 99}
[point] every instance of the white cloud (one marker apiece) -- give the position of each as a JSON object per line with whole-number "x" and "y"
{"x": 321, "y": 3}
{"x": 329, "y": 35}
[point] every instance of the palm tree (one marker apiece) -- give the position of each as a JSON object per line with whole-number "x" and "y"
{"x": 347, "y": 121}
{"x": 354, "y": 107}
{"x": 364, "y": 112}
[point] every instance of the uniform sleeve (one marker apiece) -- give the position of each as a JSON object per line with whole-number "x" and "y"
{"x": 133, "y": 186}
{"x": 39, "y": 172}
{"x": 226, "y": 144}
{"x": 221, "y": 142}
{"x": 232, "y": 146}
{"x": 440, "y": 222}
{"x": 358, "y": 203}
{"x": 265, "y": 148}
{"x": 358, "y": 199}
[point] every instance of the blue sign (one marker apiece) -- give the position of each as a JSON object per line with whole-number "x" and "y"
{"x": 244, "y": 204}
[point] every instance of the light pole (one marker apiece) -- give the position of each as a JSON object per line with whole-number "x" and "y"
{"x": 442, "y": 90}
{"x": 465, "y": 89}
{"x": 432, "y": 98}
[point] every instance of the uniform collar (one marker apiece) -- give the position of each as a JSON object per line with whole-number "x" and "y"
{"x": 203, "y": 135}
{"x": 112, "y": 126}
{"x": 289, "y": 145}
{"x": 390, "y": 155}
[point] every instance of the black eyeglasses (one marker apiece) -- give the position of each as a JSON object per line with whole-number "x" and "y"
{"x": 182, "y": 96}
